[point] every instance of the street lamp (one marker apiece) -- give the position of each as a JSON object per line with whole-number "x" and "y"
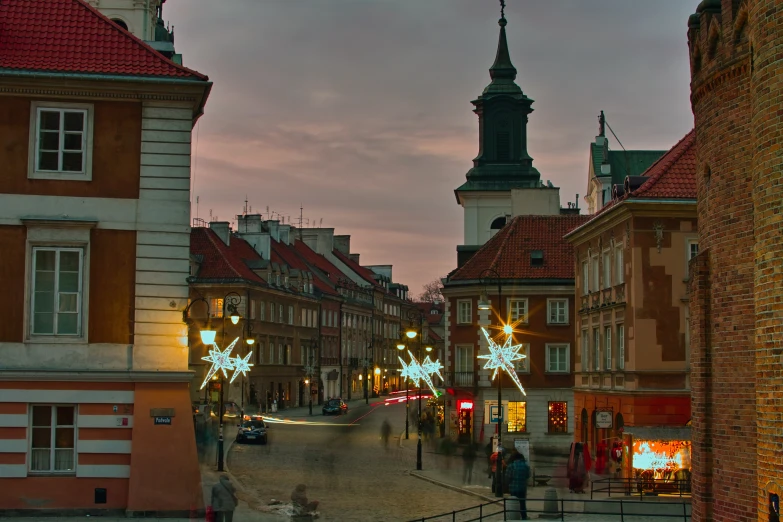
{"x": 484, "y": 304}
{"x": 401, "y": 346}
{"x": 310, "y": 371}
{"x": 411, "y": 334}
{"x": 231, "y": 303}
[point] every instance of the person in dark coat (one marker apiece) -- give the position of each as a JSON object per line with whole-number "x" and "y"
{"x": 469, "y": 458}
{"x": 224, "y": 500}
{"x": 517, "y": 475}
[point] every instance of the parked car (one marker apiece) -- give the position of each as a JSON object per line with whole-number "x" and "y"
{"x": 253, "y": 430}
{"x": 335, "y": 407}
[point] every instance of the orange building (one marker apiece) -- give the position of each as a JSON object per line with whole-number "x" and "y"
{"x": 96, "y": 125}
{"x": 632, "y": 362}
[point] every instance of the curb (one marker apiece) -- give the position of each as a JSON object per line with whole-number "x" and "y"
{"x": 451, "y": 487}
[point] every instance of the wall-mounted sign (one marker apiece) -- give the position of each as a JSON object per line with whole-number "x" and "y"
{"x": 162, "y": 421}
{"x": 465, "y": 405}
{"x": 161, "y": 412}
{"x": 603, "y": 419}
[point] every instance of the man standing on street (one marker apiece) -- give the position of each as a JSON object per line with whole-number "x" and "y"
{"x": 517, "y": 475}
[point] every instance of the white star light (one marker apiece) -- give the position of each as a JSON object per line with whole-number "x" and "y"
{"x": 418, "y": 372}
{"x": 502, "y": 358}
{"x": 221, "y": 361}
{"x": 241, "y": 366}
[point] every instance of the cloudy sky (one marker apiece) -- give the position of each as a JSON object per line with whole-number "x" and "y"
{"x": 359, "y": 110}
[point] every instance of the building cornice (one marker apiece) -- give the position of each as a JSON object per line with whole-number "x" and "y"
{"x": 97, "y": 376}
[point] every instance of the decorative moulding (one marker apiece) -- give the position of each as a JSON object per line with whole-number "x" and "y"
{"x": 658, "y": 227}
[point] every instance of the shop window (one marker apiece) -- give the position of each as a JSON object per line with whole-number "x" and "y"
{"x": 517, "y": 417}
{"x": 52, "y": 448}
{"x": 558, "y": 417}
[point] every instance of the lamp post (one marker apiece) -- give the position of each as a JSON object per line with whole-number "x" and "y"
{"x": 411, "y": 334}
{"x": 484, "y": 304}
{"x": 230, "y": 304}
{"x": 310, "y": 371}
{"x": 401, "y": 346}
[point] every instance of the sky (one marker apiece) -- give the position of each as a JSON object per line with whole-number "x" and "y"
{"x": 359, "y": 110}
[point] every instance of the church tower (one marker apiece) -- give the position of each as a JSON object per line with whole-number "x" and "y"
{"x": 143, "y": 19}
{"x": 503, "y": 164}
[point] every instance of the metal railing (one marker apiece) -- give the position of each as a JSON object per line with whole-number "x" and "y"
{"x": 641, "y": 487}
{"x": 618, "y": 509}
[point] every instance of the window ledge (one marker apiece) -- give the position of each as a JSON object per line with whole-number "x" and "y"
{"x": 558, "y": 324}
{"x": 54, "y": 339}
{"x": 67, "y": 176}
{"x": 65, "y": 474}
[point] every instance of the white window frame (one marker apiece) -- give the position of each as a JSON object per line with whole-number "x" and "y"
{"x": 606, "y": 259}
{"x": 619, "y": 265}
{"x": 597, "y": 348}
{"x": 621, "y": 346}
{"x": 461, "y": 319}
{"x": 585, "y": 277}
{"x": 523, "y": 365}
{"x": 585, "y": 344}
{"x": 689, "y": 242}
{"x": 608, "y": 347}
{"x": 464, "y": 353}
{"x": 259, "y": 352}
{"x": 596, "y": 273}
{"x": 79, "y": 294}
{"x": 566, "y": 348}
{"x": 52, "y": 440}
{"x": 52, "y": 234}
{"x": 33, "y": 172}
{"x": 557, "y": 300}
{"x": 513, "y": 311}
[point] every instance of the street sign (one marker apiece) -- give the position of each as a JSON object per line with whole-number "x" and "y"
{"x": 495, "y": 414}
{"x": 163, "y": 421}
{"x": 603, "y": 419}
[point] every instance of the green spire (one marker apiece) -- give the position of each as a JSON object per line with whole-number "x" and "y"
{"x": 502, "y": 72}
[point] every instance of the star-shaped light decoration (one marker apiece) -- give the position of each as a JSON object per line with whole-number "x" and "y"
{"x": 503, "y": 357}
{"x": 221, "y": 361}
{"x": 241, "y": 366}
{"x": 417, "y": 372}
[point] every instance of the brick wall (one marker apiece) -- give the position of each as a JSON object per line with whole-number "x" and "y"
{"x": 722, "y": 305}
{"x": 765, "y": 22}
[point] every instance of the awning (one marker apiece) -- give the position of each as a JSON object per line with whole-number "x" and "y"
{"x": 659, "y": 432}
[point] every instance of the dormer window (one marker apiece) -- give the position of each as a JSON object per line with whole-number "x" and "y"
{"x": 277, "y": 279}
{"x": 537, "y": 258}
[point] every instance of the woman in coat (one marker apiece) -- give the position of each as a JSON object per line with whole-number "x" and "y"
{"x": 224, "y": 500}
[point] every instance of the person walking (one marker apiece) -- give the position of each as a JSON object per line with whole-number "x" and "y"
{"x": 469, "y": 458}
{"x": 516, "y": 476}
{"x": 224, "y": 500}
{"x": 386, "y": 433}
{"x": 493, "y": 462}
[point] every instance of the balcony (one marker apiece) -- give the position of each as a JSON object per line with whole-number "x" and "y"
{"x": 619, "y": 293}
{"x": 330, "y": 361}
{"x": 606, "y": 297}
{"x": 461, "y": 379}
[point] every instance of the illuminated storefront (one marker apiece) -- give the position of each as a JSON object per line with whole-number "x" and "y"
{"x": 660, "y": 456}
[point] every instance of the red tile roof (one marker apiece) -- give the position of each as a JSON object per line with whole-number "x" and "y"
{"x": 291, "y": 257}
{"x": 330, "y": 271}
{"x": 220, "y": 261}
{"x": 508, "y": 252}
{"x": 365, "y": 273}
{"x": 70, "y": 36}
{"x": 673, "y": 176}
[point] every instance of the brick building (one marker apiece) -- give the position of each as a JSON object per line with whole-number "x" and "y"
{"x": 632, "y": 323}
{"x": 736, "y": 293}
{"x": 94, "y": 233}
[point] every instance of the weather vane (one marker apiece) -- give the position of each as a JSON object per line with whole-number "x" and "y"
{"x": 502, "y": 8}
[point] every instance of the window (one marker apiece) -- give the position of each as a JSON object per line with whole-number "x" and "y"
{"x": 693, "y": 249}
{"x": 585, "y": 278}
{"x": 523, "y": 365}
{"x": 594, "y": 283}
{"x": 288, "y": 354}
{"x": 252, "y": 309}
{"x": 619, "y": 266}
{"x": 304, "y": 317}
{"x": 290, "y": 314}
{"x": 259, "y": 353}
{"x": 280, "y": 359}
{"x": 558, "y": 417}
{"x": 271, "y": 312}
{"x": 323, "y": 317}
{"x": 558, "y": 311}
{"x": 557, "y": 358}
{"x": 61, "y": 136}
{"x": 585, "y": 351}
{"x": 464, "y": 312}
{"x": 608, "y": 346}
{"x": 518, "y": 310}
{"x": 52, "y": 447}
{"x": 620, "y": 346}
{"x": 216, "y": 307}
{"x": 57, "y": 291}
{"x": 271, "y": 353}
{"x": 597, "y": 348}
{"x": 280, "y": 317}
{"x": 607, "y": 261}
{"x": 463, "y": 361}
{"x": 537, "y": 258}
{"x": 261, "y": 310}
{"x": 517, "y": 417}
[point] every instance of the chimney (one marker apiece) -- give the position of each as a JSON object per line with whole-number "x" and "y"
{"x": 354, "y": 257}
{"x": 274, "y": 229}
{"x": 343, "y": 244}
{"x": 285, "y": 234}
{"x": 221, "y": 228}
{"x": 251, "y": 229}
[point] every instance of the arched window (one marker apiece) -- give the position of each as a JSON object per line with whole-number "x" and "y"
{"x": 120, "y": 23}
{"x": 498, "y": 223}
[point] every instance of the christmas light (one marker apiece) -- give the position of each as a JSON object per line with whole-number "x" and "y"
{"x": 502, "y": 358}
{"x": 221, "y": 361}
{"x": 417, "y": 372}
{"x": 241, "y": 366}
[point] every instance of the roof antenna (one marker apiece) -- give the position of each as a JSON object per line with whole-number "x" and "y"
{"x": 502, "y": 8}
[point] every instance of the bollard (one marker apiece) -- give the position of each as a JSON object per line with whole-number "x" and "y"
{"x": 551, "y": 509}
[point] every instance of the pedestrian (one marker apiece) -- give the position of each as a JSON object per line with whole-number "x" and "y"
{"x": 516, "y": 476}
{"x": 386, "y": 430}
{"x": 493, "y": 460}
{"x": 299, "y": 501}
{"x": 224, "y": 499}
{"x": 468, "y": 457}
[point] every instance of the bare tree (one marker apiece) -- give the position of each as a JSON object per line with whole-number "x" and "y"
{"x": 431, "y": 292}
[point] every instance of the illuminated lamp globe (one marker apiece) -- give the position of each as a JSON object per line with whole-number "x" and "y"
{"x": 377, "y": 371}
{"x": 234, "y": 319}
{"x": 429, "y": 348}
{"x": 400, "y": 346}
{"x": 507, "y": 329}
{"x": 250, "y": 341}
{"x": 208, "y": 336}
{"x": 483, "y": 303}
{"x": 411, "y": 334}
{"x": 360, "y": 376}
{"x": 307, "y": 381}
